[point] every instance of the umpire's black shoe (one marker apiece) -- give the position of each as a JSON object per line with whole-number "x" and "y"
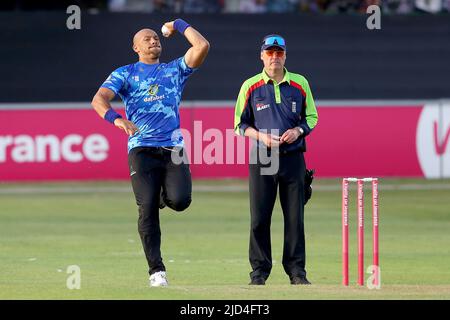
{"x": 258, "y": 281}
{"x": 300, "y": 281}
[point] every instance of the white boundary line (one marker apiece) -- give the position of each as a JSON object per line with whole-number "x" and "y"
{"x": 199, "y": 188}
{"x": 221, "y": 104}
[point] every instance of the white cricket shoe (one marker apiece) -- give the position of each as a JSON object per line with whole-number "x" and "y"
{"x": 158, "y": 279}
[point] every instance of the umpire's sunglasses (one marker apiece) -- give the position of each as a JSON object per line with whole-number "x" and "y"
{"x": 274, "y": 53}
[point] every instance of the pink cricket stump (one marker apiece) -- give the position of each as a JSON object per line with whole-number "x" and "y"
{"x": 345, "y": 232}
{"x": 360, "y": 232}
{"x": 375, "y": 230}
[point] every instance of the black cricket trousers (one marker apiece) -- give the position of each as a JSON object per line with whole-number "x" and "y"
{"x": 290, "y": 180}
{"x": 154, "y": 175}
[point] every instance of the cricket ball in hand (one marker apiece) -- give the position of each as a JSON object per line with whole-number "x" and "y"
{"x": 165, "y": 31}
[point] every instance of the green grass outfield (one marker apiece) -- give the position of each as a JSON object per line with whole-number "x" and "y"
{"x": 44, "y": 228}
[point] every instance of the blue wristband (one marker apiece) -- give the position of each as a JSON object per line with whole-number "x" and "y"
{"x": 180, "y": 25}
{"x": 111, "y": 115}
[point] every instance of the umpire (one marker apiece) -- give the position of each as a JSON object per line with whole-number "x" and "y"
{"x": 276, "y": 108}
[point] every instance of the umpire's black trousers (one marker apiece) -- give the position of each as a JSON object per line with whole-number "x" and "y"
{"x": 263, "y": 192}
{"x": 152, "y": 171}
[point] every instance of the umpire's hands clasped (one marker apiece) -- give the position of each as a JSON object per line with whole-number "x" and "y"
{"x": 291, "y": 135}
{"x": 270, "y": 140}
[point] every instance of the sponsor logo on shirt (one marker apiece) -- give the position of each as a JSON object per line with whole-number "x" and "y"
{"x": 152, "y": 91}
{"x": 260, "y": 106}
{"x": 154, "y": 98}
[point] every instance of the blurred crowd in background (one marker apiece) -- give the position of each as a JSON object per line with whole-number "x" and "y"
{"x": 238, "y": 6}
{"x": 281, "y": 6}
